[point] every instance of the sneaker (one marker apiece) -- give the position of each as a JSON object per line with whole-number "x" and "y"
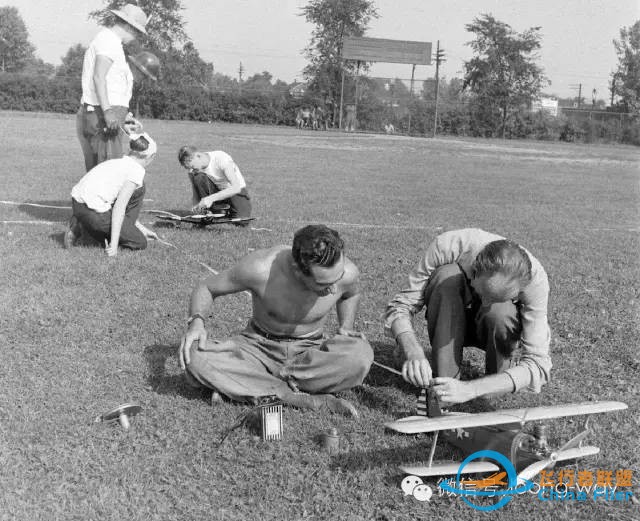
{"x": 72, "y": 235}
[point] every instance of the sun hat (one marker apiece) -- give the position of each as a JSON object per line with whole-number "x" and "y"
{"x": 133, "y": 15}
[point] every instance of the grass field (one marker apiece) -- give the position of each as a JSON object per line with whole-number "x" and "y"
{"x": 81, "y": 333}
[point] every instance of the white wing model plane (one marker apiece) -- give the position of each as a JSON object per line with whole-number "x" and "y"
{"x": 504, "y": 432}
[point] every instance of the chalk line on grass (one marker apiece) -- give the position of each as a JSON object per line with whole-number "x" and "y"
{"x": 38, "y": 205}
{"x": 191, "y": 257}
{"x": 46, "y": 223}
{"x": 16, "y": 203}
{"x": 359, "y": 225}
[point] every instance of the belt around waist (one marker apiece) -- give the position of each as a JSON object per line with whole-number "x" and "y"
{"x": 270, "y": 336}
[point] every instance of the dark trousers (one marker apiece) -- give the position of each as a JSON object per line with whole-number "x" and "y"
{"x": 98, "y": 225}
{"x": 456, "y": 317}
{"x": 96, "y": 145}
{"x": 240, "y": 204}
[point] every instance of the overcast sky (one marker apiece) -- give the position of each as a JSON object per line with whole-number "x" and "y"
{"x": 270, "y": 35}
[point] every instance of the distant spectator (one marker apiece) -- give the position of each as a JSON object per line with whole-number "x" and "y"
{"x": 350, "y": 121}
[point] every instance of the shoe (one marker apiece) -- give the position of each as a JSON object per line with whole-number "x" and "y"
{"x": 72, "y": 235}
{"x": 316, "y": 401}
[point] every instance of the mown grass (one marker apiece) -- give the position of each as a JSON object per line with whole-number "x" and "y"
{"x": 82, "y": 333}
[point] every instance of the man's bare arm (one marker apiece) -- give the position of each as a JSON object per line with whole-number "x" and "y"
{"x": 100, "y": 70}
{"x": 233, "y": 280}
{"x": 452, "y": 390}
{"x": 347, "y": 304}
{"x": 416, "y": 368}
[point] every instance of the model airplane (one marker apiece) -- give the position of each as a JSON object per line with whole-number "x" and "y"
{"x": 501, "y": 431}
{"x": 218, "y": 216}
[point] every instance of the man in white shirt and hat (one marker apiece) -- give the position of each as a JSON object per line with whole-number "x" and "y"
{"x": 107, "y": 83}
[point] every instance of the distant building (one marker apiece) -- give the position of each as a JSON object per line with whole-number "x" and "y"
{"x": 548, "y": 104}
{"x": 297, "y": 90}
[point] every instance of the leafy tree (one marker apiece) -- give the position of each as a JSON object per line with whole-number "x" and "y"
{"x": 193, "y": 67}
{"x": 15, "y": 49}
{"x": 626, "y": 79}
{"x": 165, "y": 27}
{"x": 502, "y": 74}
{"x": 223, "y": 83}
{"x": 71, "y": 66}
{"x": 333, "y": 20}
{"x": 38, "y": 67}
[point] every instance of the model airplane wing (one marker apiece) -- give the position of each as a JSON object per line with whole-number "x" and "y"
{"x": 417, "y": 424}
{"x": 165, "y": 215}
{"x": 449, "y": 468}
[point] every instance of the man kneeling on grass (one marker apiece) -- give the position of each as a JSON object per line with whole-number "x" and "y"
{"x": 107, "y": 200}
{"x": 283, "y": 349}
{"x": 479, "y": 290}
{"x": 215, "y": 179}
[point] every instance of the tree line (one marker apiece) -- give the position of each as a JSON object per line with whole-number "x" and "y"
{"x": 493, "y": 99}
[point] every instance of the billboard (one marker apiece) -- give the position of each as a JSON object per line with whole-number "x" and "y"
{"x": 387, "y": 51}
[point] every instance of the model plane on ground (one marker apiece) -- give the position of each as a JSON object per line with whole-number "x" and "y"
{"x": 205, "y": 219}
{"x": 502, "y": 431}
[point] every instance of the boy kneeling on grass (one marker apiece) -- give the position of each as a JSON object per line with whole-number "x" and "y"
{"x": 215, "y": 180}
{"x": 107, "y": 200}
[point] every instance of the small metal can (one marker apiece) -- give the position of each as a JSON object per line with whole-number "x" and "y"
{"x": 331, "y": 441}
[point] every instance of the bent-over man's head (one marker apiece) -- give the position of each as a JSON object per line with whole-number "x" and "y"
{"x": 191, "y": 158}
{"x": 318, "y": 254}
{"x": 501, "y": 270}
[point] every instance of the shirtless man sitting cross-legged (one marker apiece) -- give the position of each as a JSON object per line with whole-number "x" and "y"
{"x": 283, "y": 350}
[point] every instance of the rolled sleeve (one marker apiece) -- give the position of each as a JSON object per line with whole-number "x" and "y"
{"x": 533, "y": 369}
{"x": 410, "y": 300}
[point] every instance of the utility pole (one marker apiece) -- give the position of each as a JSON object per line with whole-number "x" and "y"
{"x": 580, "y": 95}
{"x": 439, "y": 58}
{"x": 579, "y": 88}
{"x": 240, "y": 73}
{"x": 613, "y": 88}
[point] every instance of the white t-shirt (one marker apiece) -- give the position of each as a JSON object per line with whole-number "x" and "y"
{"x": 222, "y": 170}
{"x": 100, "y": 186}
{"x": 119, "y": 78}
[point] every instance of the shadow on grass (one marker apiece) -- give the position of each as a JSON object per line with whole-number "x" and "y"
{"x": 162, "y": 382}
{"x": 375, "y": 458}
{"x": 46, "y": 212}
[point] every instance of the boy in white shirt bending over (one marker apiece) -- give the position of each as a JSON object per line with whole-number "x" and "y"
{"x": 107, "y": 200}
